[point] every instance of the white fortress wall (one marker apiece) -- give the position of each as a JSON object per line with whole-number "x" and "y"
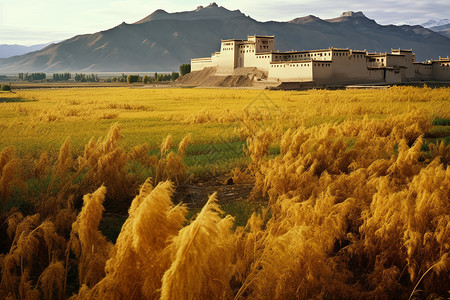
{"x": 375, "y": 75}
{"x": 215, "y": 58}
{"x": 408, "y": 60}
{"x": 349, "y": 67}
{"x": 262, "y": 43}
{"x": 441, "y": 70}
{"x": 393, "y": 75}
{"x": 423, "y": 71}
{"x": 262, "y": 61}
{"x": 322, "y": 71}
{"x": 198, "y": 64}
{"x": 401, "y": 61}
{"x": 246, "y": 55}
{"x": 377, "y": 60}
{"x": 228, "y": 57}
{"x": 291, "y": 71}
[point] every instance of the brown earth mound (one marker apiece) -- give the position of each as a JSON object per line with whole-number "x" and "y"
{"x": 242, "y": 77}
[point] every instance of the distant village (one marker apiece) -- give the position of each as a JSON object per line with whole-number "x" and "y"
{"x": 325, "y": 66}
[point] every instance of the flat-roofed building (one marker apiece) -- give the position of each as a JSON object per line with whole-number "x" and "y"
{"x": 323, "y": 66}
{"x": 441, "y": 68}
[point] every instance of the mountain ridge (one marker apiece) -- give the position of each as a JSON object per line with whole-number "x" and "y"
{"x": 433, "y": 23}
{"x": 162, "y": 41}
{"x": 8, "y": 50}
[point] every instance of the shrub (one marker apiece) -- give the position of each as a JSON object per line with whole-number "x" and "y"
{"x": 6, "y": 88}
{"x": 133, "y": 78}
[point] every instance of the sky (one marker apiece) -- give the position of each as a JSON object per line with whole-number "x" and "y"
{"x": 28, "y": 22}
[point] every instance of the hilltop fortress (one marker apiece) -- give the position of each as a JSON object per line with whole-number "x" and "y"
{"x": 325, "y": 66}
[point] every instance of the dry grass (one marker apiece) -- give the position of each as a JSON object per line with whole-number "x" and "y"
{"x": 357, "y": 209}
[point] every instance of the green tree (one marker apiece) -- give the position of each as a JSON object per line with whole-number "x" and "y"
{"x": 145, "y": 79}
{"x": 132, "y": 78}
{"x": 184, "y": 69}
{"x": 174, "y": 75}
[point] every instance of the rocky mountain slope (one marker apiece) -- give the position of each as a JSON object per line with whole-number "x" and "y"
{"x": 442, "y": 29}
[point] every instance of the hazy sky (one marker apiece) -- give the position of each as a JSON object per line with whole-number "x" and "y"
{"x": 30, "y": 22}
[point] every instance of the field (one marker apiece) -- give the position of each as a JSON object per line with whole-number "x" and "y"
{"x": 324, "y": 194}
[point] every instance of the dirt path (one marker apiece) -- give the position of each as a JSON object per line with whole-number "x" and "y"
{"x": 196, "y": 195}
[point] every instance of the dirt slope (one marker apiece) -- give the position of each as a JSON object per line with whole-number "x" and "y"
{"x": 242, "y": 77}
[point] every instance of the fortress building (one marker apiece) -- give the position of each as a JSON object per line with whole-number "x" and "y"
{"x": 325, "y": 66}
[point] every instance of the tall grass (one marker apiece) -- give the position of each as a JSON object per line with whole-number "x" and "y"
{"x": 356, "y": 209}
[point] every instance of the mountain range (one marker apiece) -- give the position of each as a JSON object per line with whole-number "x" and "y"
{"x": 442, "y": 29}
{"x": 12, "y": 50}
{"x": 162, "y": 41}
{"x": 433, "y": 23}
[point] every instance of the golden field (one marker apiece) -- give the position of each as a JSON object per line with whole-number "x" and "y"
{"x": 43, "y": 119}
{"x": 356, "y": 188}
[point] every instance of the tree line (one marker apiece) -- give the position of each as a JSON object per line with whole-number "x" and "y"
{"x": 87, "y": 77}
{"x": 156, "y": 77}
{"x": 32, "y": 76}
{"x": 61, "y": 77}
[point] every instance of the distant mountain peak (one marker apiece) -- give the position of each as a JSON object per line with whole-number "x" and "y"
{"x": 160, "y": 11}
{"x": 434, "y": 23}
{"x": 212, "y": 11}
{"x": 305, "y": 20}
{"x": 211, "y": 5}
{"x": 157, "y": 14}
{"x": 354, "y": 17}
{"x": 353, "y": 14}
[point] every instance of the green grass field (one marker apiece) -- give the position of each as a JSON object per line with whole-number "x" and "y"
{"x": 40, "y": 120}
